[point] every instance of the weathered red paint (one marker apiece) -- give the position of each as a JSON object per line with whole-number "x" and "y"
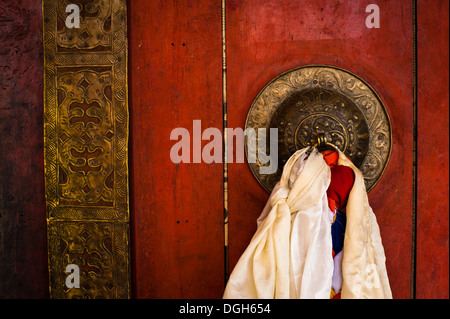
{"x": 176, "y": 209}
{"x": 23, "y": 237}
{"x": 266, "y": 38}
{"x": 433, "y": 141}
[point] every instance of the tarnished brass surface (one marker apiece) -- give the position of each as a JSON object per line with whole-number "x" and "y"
{"x": 85, "y": 143}
{"x": 314, "y": 99}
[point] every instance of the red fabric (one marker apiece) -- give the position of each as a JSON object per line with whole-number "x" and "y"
{"x": 330, "y": 157}
{"x": 342, "y": 178}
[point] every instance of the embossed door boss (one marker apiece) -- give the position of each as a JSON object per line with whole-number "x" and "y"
{"x": 309, "y": 100}
{"x": 85, "y": 142}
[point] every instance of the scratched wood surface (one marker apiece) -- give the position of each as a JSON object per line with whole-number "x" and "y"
{"x": 177, "y": 246}
{"x": 23, "y": 248}
{"x": 433, "y": 138}
{"x": 176, "y": 209}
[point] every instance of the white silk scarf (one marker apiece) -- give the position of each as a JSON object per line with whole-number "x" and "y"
{"x": 289, "y": 256}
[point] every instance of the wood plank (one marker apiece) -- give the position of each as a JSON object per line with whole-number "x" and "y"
{"x": 177, "y": 209}
{"x": 432, "y": 146}
{"x": 23, "y": 239}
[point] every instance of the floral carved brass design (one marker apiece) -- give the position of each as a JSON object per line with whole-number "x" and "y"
{"x": 95, "y": 27}
{"x": 85, "y": 143}
{"x": 85, "y": 140}
{"x": 309, "y": 100}
{"x": 99, "y": 249}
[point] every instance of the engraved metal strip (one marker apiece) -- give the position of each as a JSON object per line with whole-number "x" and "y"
{"x": 85, "y": 144}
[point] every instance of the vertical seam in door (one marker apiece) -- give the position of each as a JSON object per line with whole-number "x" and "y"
{"x": 414, "y": 168}
{"x": 225, "y": 149}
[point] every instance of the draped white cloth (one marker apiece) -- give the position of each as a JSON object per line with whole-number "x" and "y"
{"x": 290, "y": 254}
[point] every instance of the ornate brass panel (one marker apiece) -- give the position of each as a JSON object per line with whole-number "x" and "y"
{"x": 314, "y": 99}
{"x": 85, "y": 143}
{"x": 99, "y": 249}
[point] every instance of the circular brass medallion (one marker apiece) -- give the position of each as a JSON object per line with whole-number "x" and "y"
{"x": 313, "y": 99}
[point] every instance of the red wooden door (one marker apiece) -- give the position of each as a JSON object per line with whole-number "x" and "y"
{"x": 267, "y": 38}
{"x": 175, "y": 78}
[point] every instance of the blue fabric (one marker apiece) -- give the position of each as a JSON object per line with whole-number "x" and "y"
{"x": 338, "y": 231}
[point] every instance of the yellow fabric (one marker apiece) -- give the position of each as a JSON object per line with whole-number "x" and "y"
{"x": 290, "y": 256}
{"x": 332, "y": 293}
